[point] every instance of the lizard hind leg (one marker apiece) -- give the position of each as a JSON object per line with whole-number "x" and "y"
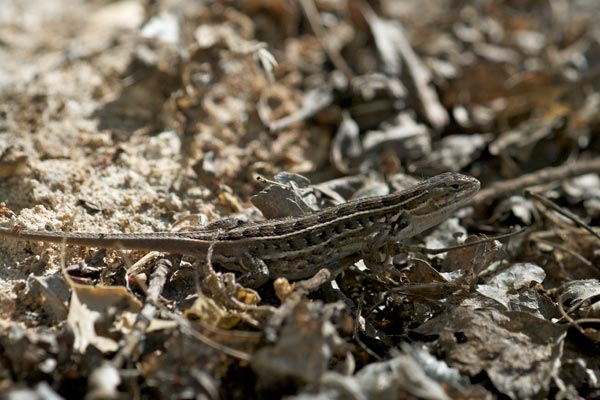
{"x": 378, "y": 251}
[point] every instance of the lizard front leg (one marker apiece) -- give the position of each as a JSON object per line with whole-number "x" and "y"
{"x": 256, "y": 271}
{"x": 381, "y": 240}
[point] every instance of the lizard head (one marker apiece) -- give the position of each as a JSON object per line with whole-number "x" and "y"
{"x": 433, "y": 201}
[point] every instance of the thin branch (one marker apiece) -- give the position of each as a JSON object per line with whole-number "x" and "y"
{"x": 312, "y": 15}
{"x": 563, "y": 211}
{"x": 546, "y": 175}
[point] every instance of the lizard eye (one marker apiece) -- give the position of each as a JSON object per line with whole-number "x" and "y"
{"x": 455, "y": 186}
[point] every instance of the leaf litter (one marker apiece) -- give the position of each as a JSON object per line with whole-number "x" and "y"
{"x": 142, "y": 117}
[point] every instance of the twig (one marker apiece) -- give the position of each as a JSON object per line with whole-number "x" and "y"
{"x": 145, "y": 316}
{"x": 588, "y": 321}
{"x": 546, "y": 175}
{"x": 355, "y": 334}
{"x": 563, "y": 211}
{"x": 560, "y": 232}
{"x": 566, "y": 250}
{"x": 415, "y": 249}
{"x": 187, "y": 329}
{"x": 571, "y": 321}
{"x": 312, "y": 15}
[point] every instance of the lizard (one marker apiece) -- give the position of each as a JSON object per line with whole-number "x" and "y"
{"x": 297, "y": 247}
